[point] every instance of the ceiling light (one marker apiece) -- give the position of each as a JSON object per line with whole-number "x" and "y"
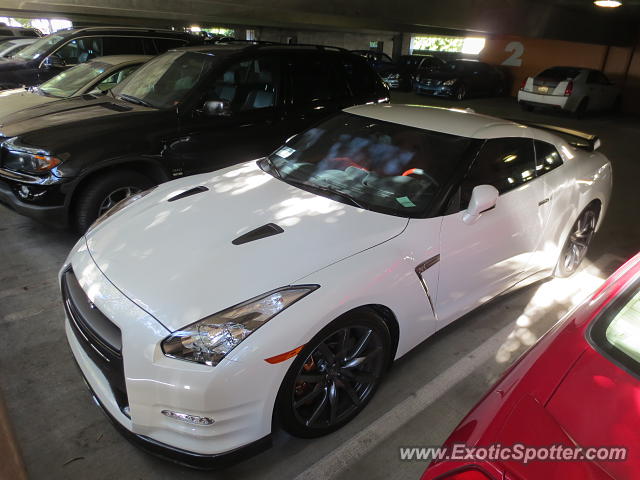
{"x": 608, "y": 3}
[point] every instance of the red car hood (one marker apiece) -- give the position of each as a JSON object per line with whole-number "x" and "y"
{"x": 597, "y": 404}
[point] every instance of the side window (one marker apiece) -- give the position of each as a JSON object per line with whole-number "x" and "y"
{"x": 112, "y": 80}
{"x": 248, "y": 85}
{"x": 122, "y": 46}
{"x": 362, "y": 80}
{"x": 315, "y": 79}
{"x": 505, "y": 163}
{"x": 80, "y": 50}
{"x": 164, "y": 44}
{"x": 547, "y": 157}
{"x": 6, "y": 33}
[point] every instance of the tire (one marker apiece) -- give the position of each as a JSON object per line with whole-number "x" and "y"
{"x": 460, "y": 93}
{"x": 581, "y": 111}
{"x": 317, "y": 395}
{"x": 526, "y": 107}
{"x": 93, "y": 200}
{"x": 577, "y": 243}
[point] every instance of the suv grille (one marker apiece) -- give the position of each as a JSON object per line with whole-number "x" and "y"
{"x": 99, "y": 337}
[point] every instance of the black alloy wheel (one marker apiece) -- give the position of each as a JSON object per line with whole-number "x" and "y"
{"x": 335, "y": 375}
{"x": 577, "y": 243}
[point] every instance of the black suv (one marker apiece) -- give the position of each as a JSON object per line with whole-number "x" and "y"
{"x": 188, "y": 111}
{"x": 48, "y": 56}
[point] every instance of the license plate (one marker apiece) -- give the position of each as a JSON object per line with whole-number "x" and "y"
{"x": 543, "y": 89}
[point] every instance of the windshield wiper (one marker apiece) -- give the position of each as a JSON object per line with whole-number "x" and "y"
{"x": 136, "y": 100}
{"x": 331, "y": 191}
{"x": 273, "y": 168}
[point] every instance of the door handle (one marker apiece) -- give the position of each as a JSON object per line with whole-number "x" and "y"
{"x": 542, "y": 202}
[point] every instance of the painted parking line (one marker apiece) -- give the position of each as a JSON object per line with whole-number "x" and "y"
{"x": 369, "y": 438}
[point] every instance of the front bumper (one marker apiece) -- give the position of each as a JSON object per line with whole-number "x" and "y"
{"x": 46, "y": 203}
{"x": 240, "y": 398}
{"x": 437, "y": 90}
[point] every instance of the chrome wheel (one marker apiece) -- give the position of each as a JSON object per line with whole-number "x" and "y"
{"x": 338, "y": 377}
{"x": 578, "y": 241}
{"x": 116, "y": 196}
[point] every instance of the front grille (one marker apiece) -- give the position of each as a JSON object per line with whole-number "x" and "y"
{"x": 99, "y": 337}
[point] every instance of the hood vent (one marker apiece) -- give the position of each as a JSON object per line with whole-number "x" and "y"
{"x": 188, "y": 193}
{"x": 264, "y": 231}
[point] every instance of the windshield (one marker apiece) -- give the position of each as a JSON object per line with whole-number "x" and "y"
{"x": 70, "y": 81}
{"x": 39, "y": 48}
{"x": 381, "y": 166}
{"x": 617, "y": 331}
{"x": 166, "y": 80}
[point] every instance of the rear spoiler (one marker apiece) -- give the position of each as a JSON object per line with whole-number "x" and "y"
{"x": 575, "y": 138}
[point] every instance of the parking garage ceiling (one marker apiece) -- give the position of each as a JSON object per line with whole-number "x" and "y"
{"x": 576, "y": 20}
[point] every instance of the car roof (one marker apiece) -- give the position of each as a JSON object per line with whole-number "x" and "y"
{"x": 465, "y": 123}
{"x": 119, "y": 59}
{"x": 231, "y": 48}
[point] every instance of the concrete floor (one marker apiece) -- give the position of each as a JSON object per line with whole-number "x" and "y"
{"x": 64, "y": 435}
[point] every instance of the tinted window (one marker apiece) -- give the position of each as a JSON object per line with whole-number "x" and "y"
{"x": 6, "y": 33}
{"x": 597, "y": 77}
{"x": 122, "y": 46}
{"x": 248, "y": 85}
{"x": 114, "y": 79}
{"x": 80, "y": 50}
{"x": 547, "y": 157}
{"x": 505, "y": 163}
{"x": 560, "y": 73}
{"x": 383, "y": 166}
{"x": 164, "y": 44}
{"x": 315, "y": 79}
{"x": 29, "y": 33}
{"x": 362, "y": 80}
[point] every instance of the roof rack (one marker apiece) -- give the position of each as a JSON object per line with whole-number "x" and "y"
{"x": 302, "y": 45}
{"x": 576, "y": 138}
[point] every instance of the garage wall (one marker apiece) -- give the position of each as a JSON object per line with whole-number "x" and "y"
{"x": 522, "y": 57}
{"x": 348, "y": 40}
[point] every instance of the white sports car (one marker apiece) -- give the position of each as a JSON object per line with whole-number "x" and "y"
{"x": 280, "y": 290}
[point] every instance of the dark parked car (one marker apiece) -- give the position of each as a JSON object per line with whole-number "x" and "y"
{"x": 461, "y": 78}
{"x": 377, "y": 60}
{"x": 48, "y": 56}
{"x": 188, "y": 111}
{"x": 401, "y": 74}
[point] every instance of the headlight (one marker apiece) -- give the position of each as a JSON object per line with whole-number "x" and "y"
{"x": 209, "y": 340}
{"x": 448, "y": 83}
{"x": 21, "y": 158}
{"x": 125, "y": 202}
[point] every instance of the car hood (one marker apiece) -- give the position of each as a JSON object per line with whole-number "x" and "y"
{"x": 54, "y": 124}
{"x": 14, "y": 100}
{"x": 176, "y": 258}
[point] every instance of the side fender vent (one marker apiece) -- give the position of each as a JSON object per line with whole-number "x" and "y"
{"x": 264, "y": 231}
{"x": 188, "y": 193}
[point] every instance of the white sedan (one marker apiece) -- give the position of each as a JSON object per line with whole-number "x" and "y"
{"x": 576, "y": 90}
{"x": 283, "y": 288}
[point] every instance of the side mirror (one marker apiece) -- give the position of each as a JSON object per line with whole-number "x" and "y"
{"x": 483, "y": 198}
{"x": 52, "y": 61}
{"x": 216, "y": 108}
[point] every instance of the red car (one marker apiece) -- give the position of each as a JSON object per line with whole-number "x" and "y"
{"x": 576, "y": 394}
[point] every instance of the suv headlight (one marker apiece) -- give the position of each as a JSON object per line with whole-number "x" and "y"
{"x": 21, "y": 158}
{"x": 448, "y": 83}
{"x": 209, "y": 340}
